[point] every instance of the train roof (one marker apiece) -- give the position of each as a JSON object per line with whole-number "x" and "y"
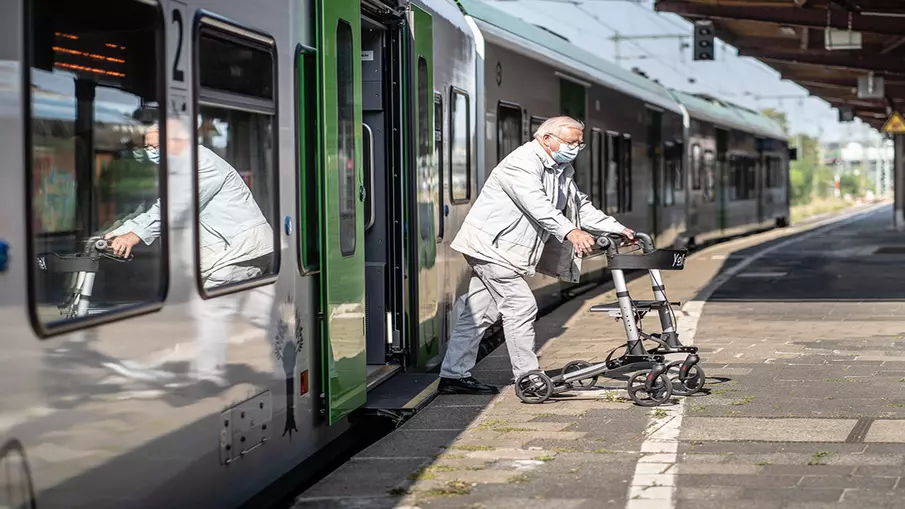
{"x": 725, "y": 114}
{"x": 527, "y": 39}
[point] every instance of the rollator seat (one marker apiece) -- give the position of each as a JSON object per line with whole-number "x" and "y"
{"x": 639, "y": 305}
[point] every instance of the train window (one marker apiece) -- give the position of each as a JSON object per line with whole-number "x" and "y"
{"x": 306, "y": 158}
{"x": 438, "y": 154}
{"x": 597, "y": 163}
{"x": 678, "y": 158}
{"x": 460, "y": 147}
{"x": 509, "y": 129}
{"x": 425, "y": 163}
{"x": 752, "y": 177}
{"x": 709, "y": 176}
{"x": 697, "y": 166}
{"x": 94, "y": 164}
{"x": 613, "y": 179}
{"x": 535, "y": 124}
{"x": 768, "y": 172}
{"x": 668, "y": 175}
{"x": 345, "y": 93}
{"x": 626, "y": 174}
{"x": 733, "y": 177}
{"x": 236, "y": 175}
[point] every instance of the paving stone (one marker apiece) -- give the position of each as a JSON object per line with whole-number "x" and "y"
{"x": 705, "y": 468}
{"x": 886, "y": 431}
{"x": 860, "y": 482}
{"x": 876, "y": 471}
{"x": 810, "y": 470}
{"x": 763, "y": 480}
{"x": 790, "y": 430}
{"x": 711, "y": 493}
{"x": 734, "y": 504}
{"x": 793, "y": 494}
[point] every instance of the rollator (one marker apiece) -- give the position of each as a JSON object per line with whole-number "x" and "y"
{"x": 84, "y": 267}
{"x": 650, "y": 385}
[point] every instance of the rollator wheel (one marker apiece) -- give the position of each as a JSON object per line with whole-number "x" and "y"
{"x": 694, "y": 380}
{"x": 533, "y": 387}
{"x": 575, "y": 366}
{"x": 661, "y": 389}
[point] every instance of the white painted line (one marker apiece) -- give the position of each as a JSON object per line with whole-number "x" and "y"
{"x": 762, "y": 274}
{"x": 660, "y": 448}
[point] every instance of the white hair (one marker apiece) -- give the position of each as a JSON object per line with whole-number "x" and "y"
{"x": 555, "y": 126}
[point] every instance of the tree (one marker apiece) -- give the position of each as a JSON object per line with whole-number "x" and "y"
{"x": 778, "y": 116}
{"x": 805, "y": 175}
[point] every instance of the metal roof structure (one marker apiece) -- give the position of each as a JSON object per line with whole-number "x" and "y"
{"x": 791, "y": 37}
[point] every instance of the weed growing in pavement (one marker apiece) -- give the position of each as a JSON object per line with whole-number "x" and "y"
{"x": 815, "y": 459}
{"x": 472, "y": 448}
{"x": 545, "y": 458}
{"x": 450, "y": 489}
{"x": 422, "y": 474}
{"x": 491, "y": 423}
{"x": 697, "y": 408}
{"x": 743, "y": 401}
{"x": 660, "y": 413}
{"x": 518, "y": 479}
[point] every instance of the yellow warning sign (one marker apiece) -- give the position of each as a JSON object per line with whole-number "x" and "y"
{"x": 895, "y": 124}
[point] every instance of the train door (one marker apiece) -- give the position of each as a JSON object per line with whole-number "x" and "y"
{"x": 722, "y": 142}
{"x": 759, "y": 178}
{"x": 342, "y": 282}
{"x": 425, "y": 271}
{"x": 573, "y": 103}
{"x": 654, "y": 154}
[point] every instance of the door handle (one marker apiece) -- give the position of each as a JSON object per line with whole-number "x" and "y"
{"x": 368, "y": 136}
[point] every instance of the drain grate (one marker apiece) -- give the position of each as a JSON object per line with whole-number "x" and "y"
{"x": 890, "y": 250}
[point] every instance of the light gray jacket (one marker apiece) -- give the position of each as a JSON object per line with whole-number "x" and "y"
{"x": 520, "y": 206}
{"x": 232, "y": 227}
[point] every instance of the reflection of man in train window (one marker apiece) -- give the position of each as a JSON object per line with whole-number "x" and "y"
{"x": 236, "y": 244}
{"x": 236, "y": 239}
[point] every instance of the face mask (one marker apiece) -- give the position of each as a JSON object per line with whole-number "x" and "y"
{"x": 565, "y": 154}
{"x": 153, "y": 153}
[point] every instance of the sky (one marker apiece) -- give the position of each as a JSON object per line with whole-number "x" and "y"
{"x": 741, "y": 80}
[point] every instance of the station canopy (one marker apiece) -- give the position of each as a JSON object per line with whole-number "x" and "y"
{"x": 851, "y": 53}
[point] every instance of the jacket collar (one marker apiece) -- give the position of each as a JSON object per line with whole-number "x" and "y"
{"x": 565, "y": 169}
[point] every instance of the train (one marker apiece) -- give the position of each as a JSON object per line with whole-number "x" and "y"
{"x": 362, "y": 130}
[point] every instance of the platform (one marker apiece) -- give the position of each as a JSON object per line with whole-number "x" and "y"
{"x": 802, "y": 335}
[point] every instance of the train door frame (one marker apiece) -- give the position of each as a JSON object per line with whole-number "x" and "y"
{"x": 721, "y": 136}
{"x": 654, "y": 124}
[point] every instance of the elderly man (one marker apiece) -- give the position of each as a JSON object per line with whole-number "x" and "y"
{"x": 529, "y": 197}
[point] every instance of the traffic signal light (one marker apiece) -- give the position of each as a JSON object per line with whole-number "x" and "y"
{"x": 703, "y": 40}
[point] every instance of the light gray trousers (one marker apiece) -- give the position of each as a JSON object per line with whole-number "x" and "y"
{"x": 494, "y": 290}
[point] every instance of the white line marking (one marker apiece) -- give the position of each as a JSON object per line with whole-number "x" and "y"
{"x": 658, "y": 490}
{"x": 762, "y": 274}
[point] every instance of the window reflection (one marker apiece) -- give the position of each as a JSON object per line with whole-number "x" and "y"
{"x": 89, "y": 172}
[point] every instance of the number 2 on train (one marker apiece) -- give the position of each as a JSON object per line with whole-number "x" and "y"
{"x": 176, "y": 45}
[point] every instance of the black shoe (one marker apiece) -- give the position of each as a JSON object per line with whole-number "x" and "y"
{"x": 465, "y": 386}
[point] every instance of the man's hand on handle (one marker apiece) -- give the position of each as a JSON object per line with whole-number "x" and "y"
{"x": 123, "y": 244}
{"x": 581, "y": 240}
{"x": 584, "y": 242}
{"x": 629, "y": 235}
